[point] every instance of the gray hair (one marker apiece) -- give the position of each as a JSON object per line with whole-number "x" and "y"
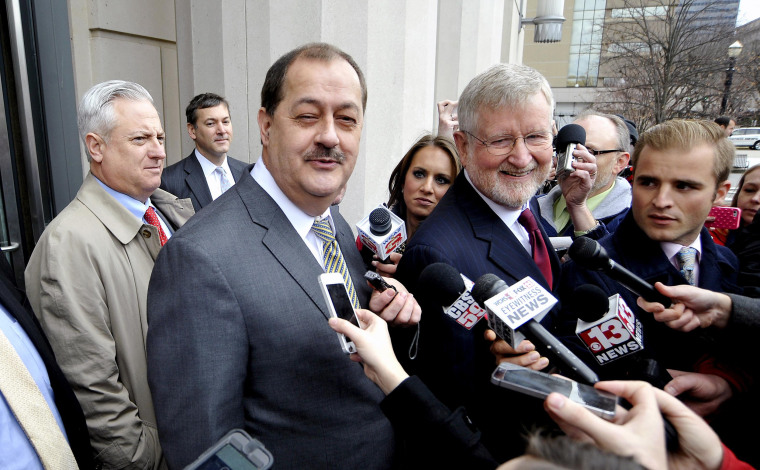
{"x": 96, "y": 112}
{"x": 502, "y": 85}
{"x": 623, "y": 137}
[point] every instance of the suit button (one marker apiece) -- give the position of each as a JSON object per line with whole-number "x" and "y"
{"x": 146, "y": 233}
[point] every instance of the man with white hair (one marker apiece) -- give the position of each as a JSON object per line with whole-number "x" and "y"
{"x": 87, "y": 279}
{"x": 486, "y": 224}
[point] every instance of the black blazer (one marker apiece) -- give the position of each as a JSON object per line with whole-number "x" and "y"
{"x": 185, "y": 179}
{"x": 454, "y": 362}
{"x": 15, "y": 302}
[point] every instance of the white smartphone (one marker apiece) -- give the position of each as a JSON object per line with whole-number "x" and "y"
{"x": 540, "y": 385}
{"x": 237, "y": 450}
{"x": 339, "y": 304}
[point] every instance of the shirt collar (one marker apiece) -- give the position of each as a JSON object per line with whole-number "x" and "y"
{"x": 134, "y": 206}
{"x": 209, "y": 167}
{"x": 671, "y": 249}
{"x": 300, "y": 220}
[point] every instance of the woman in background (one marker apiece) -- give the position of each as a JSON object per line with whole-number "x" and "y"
{"x": 746, "y": 198}
{"x": 416, "y": 185}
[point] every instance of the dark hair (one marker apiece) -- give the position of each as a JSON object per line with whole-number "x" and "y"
{"x": 723, "y": 121}
{"x": 396, "y": 181}
{"x": 271, "y": 92}
{"x": 203, "y": 101}
{"x": 735, "y": 199}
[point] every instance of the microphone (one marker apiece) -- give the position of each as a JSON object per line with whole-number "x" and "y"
{"x": 567, "y": 140}
{"x": 613, "y": 335}
{"x": 606, "y": 326}
{"x": 591, "y": 255}
{"x": 610, "y": 331}
{"x": 442, "y": 284}
{"x": 513, "y": 310}
{"x": 382, "y": 232}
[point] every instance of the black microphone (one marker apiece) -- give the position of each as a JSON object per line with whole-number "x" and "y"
{"x": 441, "y": 284}
{"x": 610, "y": 331}
{"x": 591, "y": 255}
{"x": 567, "y": 140}
{"x": 489, "y": 286}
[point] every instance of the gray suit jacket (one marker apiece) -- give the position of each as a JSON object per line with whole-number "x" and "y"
{"x": 185, "y": 179}
{"x": 238, "y": 337}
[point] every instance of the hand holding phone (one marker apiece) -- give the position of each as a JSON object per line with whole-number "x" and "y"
{"x": 377, "y": 282}
{"x": 339, "y": 305}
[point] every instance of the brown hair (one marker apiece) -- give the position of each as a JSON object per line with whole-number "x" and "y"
{"x": 396, "y": 181}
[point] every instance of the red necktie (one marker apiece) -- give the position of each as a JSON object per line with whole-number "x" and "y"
{"x": 152, "y": 218}
{"x": 537, "y": 245}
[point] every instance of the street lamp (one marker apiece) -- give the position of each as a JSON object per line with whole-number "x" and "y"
{"x": 548, "y": 21}
{"x": 733, "y": 52}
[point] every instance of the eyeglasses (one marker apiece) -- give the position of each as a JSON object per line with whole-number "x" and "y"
{"x": 503, "y": 144}
{"x": 602, "y": 152}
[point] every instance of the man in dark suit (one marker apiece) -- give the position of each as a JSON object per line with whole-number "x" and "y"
{"x": 207, "y": 172}
{"x": 14, "y": 442}
{"x": 238, "y": 334}
{"x": 504, "y": 141}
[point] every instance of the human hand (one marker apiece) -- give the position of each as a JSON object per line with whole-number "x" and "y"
{"x": 386, "y": 269}
{"x": 448, "y": 121}
{"x": 638, "y": 432}
{"x": 399, "y": 307}
{"x": 524, "y": 355}
{"x": 576, "y": 187}
{"x": 373, "y": 349}
{"x": 702, "y": 393}
{"x": 693, "y": 307}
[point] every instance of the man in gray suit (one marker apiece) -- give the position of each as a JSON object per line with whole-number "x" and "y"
{"x": 207, "y": 172}
{"x": 238, "y": 334}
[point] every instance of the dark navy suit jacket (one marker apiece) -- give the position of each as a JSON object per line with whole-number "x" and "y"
{"x": 15, "y": 302}
{"x": 454, "y": 362}
{"x": 631, "y": 248}
{"x": 185, "y": 179}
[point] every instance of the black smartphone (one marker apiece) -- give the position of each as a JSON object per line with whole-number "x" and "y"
{"x": 237, "y": 450}
{"x": 377, "y": 282}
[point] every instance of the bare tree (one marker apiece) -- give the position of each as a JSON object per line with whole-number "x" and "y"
{"x": 663, "y": 60}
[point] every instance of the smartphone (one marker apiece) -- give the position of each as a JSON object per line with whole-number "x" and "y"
{"x": 339, "y": 304}
{"x": 540, "y": 385}
{"x": 377, "y": 282}
{"x": 725, "y": 217}
{"x": 237, "y": 450}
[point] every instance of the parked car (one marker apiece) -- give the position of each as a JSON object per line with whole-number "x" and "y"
{"x": 746, "y": 137}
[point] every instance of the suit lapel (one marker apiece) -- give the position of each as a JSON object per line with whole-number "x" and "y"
{"x": 236, "y": 167}
{"x": 196, "y": 180}
{"x": 282, "y": 240}
{"x": 505, "y": 250}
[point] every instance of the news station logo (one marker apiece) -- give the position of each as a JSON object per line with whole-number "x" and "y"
{"x": 465, "y": 311}
{"x": 613, "y": 338}
{"x": 395, "y": 241}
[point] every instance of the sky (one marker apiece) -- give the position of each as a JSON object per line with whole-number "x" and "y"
{"x": 748, "y": 11}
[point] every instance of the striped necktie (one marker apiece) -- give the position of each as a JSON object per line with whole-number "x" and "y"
{"x": 224, "y": 180}
{"x": 332, "y": 257}
{"x": 687, "y": 258}
{"x": 32, "y": 411}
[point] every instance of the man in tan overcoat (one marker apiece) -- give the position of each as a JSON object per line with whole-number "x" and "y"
{"x": 87, "y": 278}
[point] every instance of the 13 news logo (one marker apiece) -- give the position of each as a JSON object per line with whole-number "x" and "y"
{"x": 613, "y": 336}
